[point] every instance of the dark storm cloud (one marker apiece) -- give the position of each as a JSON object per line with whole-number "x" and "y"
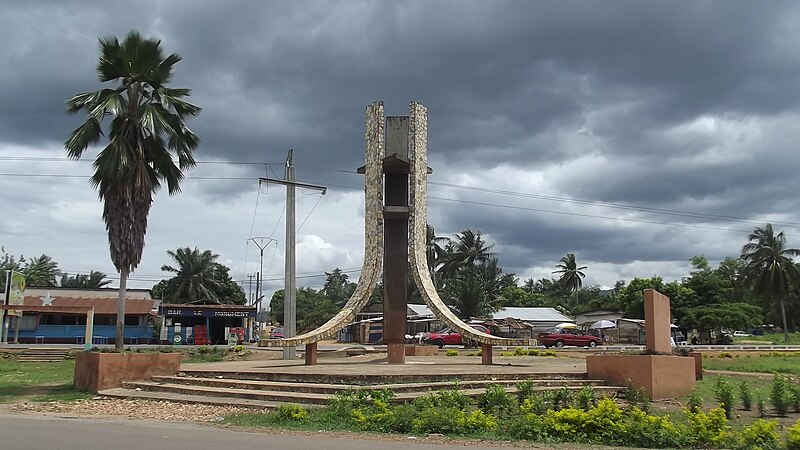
{"x": 686, "y": 106}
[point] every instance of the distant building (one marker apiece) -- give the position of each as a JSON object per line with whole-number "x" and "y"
{"x": 539, "y": 319}
{"x": 58, "y": 315}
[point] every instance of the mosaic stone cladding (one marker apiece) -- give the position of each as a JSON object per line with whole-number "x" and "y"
{"x": 418, "y": 154}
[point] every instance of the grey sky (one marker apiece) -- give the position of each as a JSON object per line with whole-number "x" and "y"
{"x": 684, "y": 110}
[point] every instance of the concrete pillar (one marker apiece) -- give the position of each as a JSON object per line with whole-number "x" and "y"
{"x": 486, "y": 354}
{"x": 657, "y": 322}
{"x": 311, "y": 354}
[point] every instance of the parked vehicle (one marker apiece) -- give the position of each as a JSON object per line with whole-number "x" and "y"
{"x": 559, "y": 337}
{"x": 276, "y": 333}
{"x": 740, "y": 334}
{"x": 448, "y": 336}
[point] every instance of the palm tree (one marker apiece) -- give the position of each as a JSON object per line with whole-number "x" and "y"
{"x": 41, "y": 272}
{"x": 195, "y": 278}
{"x": 434, "y": 252}
{"x": 92, "y": 280}
{"x": 769, "y": 268}
{"x": 467, "y": 250}
{"x": 146, "y": 127}
{"x": 571, "y": 275}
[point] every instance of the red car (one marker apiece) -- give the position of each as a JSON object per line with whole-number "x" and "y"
{"x": 559, "y": 337}
{"x": 449, "y": 337}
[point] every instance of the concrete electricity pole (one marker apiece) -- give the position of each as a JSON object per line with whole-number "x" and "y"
{"x": 290, "y": 288}
{"x": 262, "y": 243}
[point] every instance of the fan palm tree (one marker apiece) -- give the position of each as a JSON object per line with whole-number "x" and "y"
{"x": 571, "y": 275}
{"x": 466, "y": 250}
{"x": 195, "y": 277}
{"x": 146, "y": 128}
{"x": 769, "y": 268}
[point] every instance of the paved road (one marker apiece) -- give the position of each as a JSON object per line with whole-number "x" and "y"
{"x": 36, "y": 432}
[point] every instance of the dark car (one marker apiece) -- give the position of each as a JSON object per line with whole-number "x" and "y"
{"x": 276, "y": 333}
{"x": 448, "y": 336}
{"x": 560, "y": 337}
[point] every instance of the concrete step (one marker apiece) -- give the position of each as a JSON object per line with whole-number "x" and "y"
{"x": 209, "y": 391}
{"x": 321, "y": 388}
{"x": 251, "y": 391}
{"x": 376, "y": 379}
{"x": 189, "y": 398}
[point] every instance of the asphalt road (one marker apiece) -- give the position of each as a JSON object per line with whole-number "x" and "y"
{"x": 50, "y": 432}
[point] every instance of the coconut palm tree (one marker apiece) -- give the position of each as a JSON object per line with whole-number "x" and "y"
{"x": 466, "y": 250}
{"x": 41, "y": 272}
{"x": 768, "y": 267}
{"x": 434, "y": 251}
{"x": 146, "y": 131}
{"x": 92, "y": 280}
{"x": 195, "y": 277}
{"x": 571, "y": 275}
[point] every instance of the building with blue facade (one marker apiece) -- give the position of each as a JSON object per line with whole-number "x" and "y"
{"x": 58, "y": 315}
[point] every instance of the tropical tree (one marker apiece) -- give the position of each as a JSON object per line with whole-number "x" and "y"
{"x": 146, "y": 128}
{"x": 41, "y": 271}
{"x": 434, "y": 251}
{"x": 571, "y": 275}
{"x": 466, "y": 250}
{"x": 92, "y": 280}
{"x": 195, "y": 277}
{"x": 337, "y": 287}
{"x": 768, "y": 267}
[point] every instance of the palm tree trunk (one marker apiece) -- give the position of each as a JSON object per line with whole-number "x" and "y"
{"x": 783, "y": 313}
{"x": 123, "y": 281}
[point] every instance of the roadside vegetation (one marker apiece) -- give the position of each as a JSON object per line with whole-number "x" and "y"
{"x": 770, "y": 339}
{"x": 37, "y": 381}
{"x": 560, "y": 416}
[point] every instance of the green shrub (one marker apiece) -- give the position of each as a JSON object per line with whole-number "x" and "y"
{"x": 496, "y": 400}
{"x": 506, "y": 353}
{"x": 534, "y": 352}
{"x": 708, "y": 429}
{"x": 293, "y": 413}
{"x": 450, "y": 398}
{"x": 760, "y": 435}
{"x": 793, "y": 437}
{"x": 643, "y": 430}
{"x": 528, "y": 426}
{"x": 746, "y": 395}
{"x": 524, "y": 390}
{"x": 343, "y": 403}
{"x": 637, "y": 398}
{"x": 794, "y": 396}
{"x": 723, "y": 393}
{"x": 761, "y": 405}
{"x": 403, "y": 418}
{"x": 779, "y": 395}
{"x": 519, "y": 351}
{"x": 534, "y": 404}
{"x": 567, "y": 424}
{"x": 604, "y": 422}
{"x": 376, "y": 417}
{"x": 549, "y": 353}
{"x": 452, "y": 352}
{"x": 695, "y": 402}
{"x": 586, "y": 398}
{"x": 725, "y": 355}
{"x": 562, "y": 398}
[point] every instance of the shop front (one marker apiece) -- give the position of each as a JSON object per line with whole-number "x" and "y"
{"x": 204, "y": 324}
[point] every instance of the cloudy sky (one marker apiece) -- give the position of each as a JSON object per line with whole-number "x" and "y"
{"x": 633, "y": 134}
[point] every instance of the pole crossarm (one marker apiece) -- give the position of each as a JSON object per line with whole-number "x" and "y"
{"x": 294, "y": 183}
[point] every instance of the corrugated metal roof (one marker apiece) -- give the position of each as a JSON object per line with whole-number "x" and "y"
{"x": 531, "y": 314}
{"x": 60, "y": 304}
{"x": 419, "y": 311}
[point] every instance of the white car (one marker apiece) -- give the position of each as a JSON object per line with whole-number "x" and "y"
{"x": 740, "y": 334}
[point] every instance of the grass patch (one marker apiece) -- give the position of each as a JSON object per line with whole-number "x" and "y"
{"x": 772, "y": 338}
{"x": 48, "y": 381}
{"x": 317, "y": 419}
{"x": 771, "y": 363}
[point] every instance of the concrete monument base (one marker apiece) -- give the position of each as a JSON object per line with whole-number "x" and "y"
{"x": 422, "y": 350}
{"x": 95, "y": 371}
{"x": 663, "y": 376}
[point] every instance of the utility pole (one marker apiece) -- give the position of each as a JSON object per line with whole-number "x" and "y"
{"x": 250, "y": 288}
{"x": 262, "y": 243}
{"x": 290, "y": 292}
